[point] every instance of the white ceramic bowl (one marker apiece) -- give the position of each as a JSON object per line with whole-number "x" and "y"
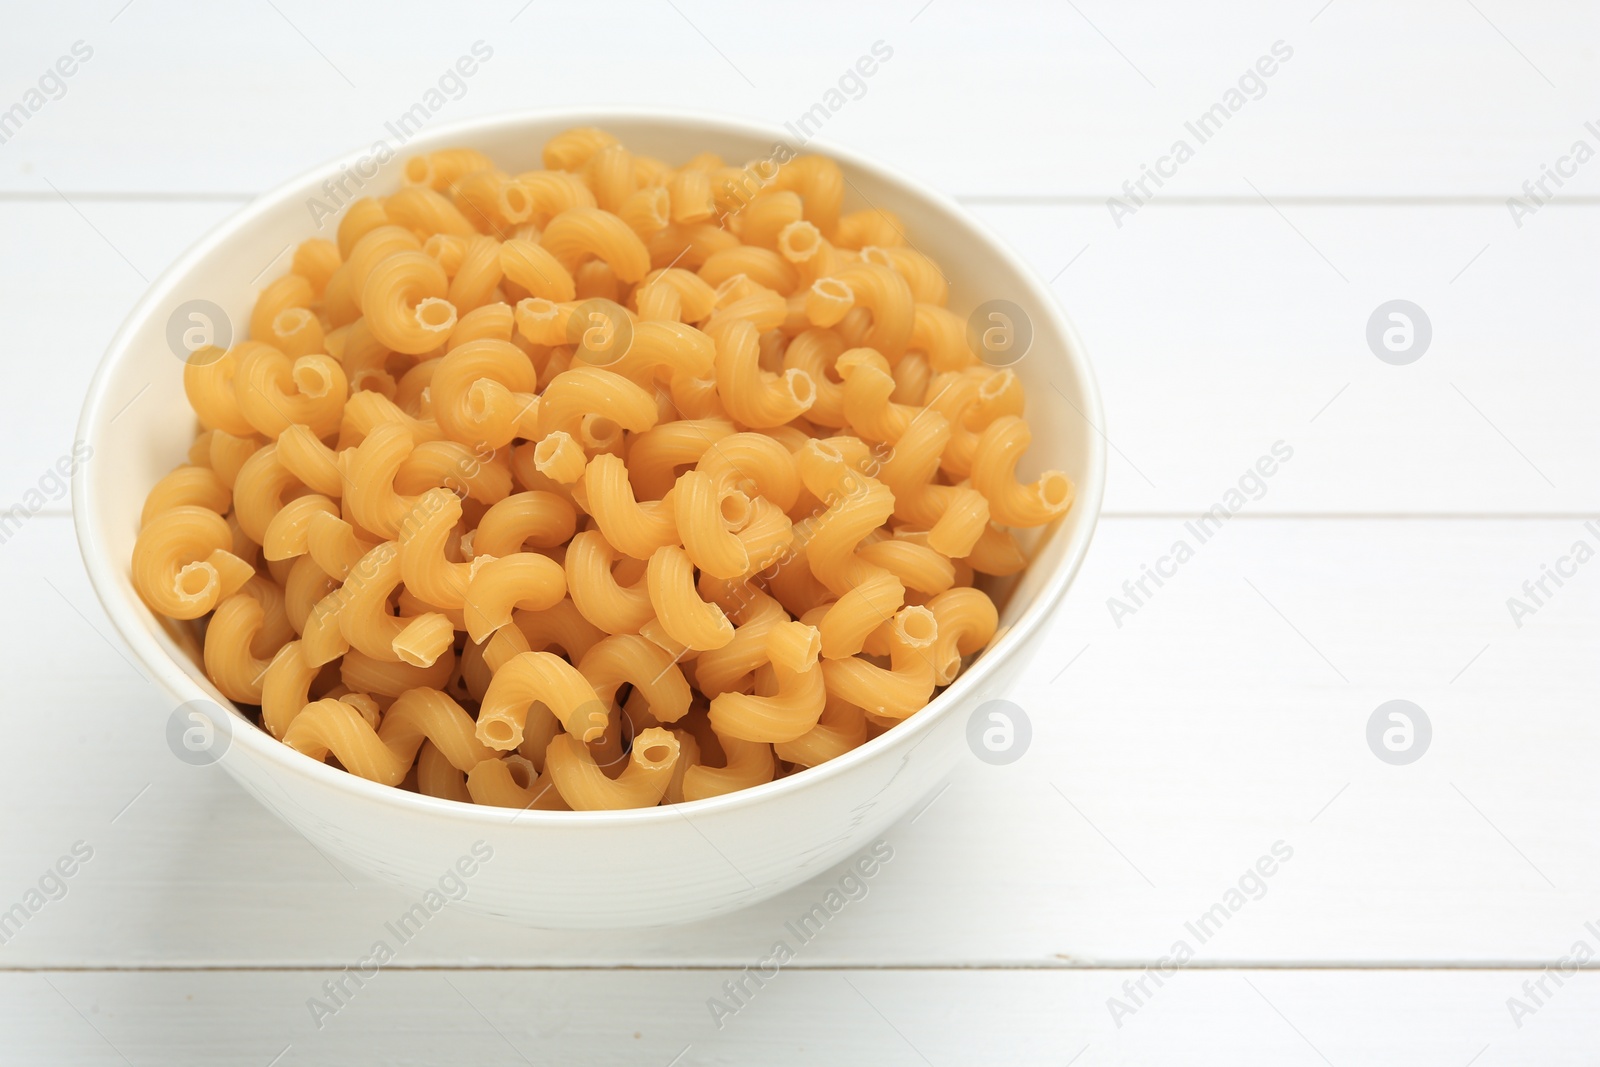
{"x": 583, "y": 869}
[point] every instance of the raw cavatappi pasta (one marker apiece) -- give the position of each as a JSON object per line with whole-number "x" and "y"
{"x": 604, "y": 485}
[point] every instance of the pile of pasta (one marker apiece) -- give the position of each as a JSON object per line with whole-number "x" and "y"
{"x": 598, "y": 486}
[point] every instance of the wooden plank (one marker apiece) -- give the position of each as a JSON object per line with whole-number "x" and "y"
{"x": 799, "y": 1016}
{"x": 1215, "y": 330}
{"x": 1169, "y": 754}
{"x": 72, "y": 273}
{"x": 981, "y": 99}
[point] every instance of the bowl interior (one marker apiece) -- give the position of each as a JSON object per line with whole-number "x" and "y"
{"x": 140, "y": 425}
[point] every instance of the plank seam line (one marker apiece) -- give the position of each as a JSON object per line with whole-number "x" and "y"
{"x": 1132, "y": 965}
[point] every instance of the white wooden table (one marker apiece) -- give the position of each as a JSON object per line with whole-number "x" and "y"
{"x": 1170, "y": 752}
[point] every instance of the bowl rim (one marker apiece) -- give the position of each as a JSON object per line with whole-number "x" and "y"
{"x": 168, "y": 673}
